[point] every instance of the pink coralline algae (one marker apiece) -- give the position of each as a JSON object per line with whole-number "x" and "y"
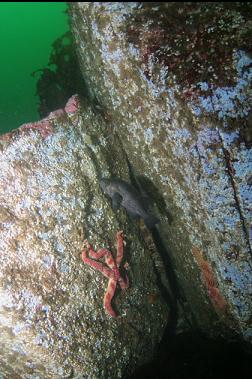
{"x": 208, "y": 279}
{"x": 110, "y": 270}
{"x": 72, "y": 105}
{"x": 59, "y": 113}
{"x": 44, "y": 127}
{"x": 7, "y": 136}
{"x": 207, "y": 57}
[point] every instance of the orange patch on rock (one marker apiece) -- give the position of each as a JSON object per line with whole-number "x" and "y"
{"x": 209, "y": 281}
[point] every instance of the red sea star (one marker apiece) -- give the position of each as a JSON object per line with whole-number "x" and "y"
{"x": 111, "y": 271}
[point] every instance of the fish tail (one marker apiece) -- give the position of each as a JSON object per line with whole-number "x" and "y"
{"x": 151, "y": 221}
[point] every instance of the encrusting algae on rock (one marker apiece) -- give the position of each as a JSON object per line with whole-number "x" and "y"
{"x": 209, "y": 281}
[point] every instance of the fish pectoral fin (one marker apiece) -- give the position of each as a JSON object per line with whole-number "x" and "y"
{"x": 116, "y": 201}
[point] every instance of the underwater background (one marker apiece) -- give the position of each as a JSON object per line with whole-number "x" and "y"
{"x": 27, "y": 31}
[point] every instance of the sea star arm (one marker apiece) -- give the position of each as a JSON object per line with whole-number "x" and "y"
{"x": 93, "y": 254}
{"x": 110, "y": 261}
{"x": 108, "y": 297}
{"x": 97, "y": 265}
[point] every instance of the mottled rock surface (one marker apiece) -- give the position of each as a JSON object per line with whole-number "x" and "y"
{"x": 174, "y": 83}
{"x": 52, "y": 321}
{"x": 170, "y": 109}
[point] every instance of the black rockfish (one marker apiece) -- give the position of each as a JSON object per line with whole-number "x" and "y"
{"x": 125, "y": 195}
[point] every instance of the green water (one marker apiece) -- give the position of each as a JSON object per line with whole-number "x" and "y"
{"x": 27, "y": 31}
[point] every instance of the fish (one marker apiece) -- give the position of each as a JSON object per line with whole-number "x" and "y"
{"x": 125, "y": 195}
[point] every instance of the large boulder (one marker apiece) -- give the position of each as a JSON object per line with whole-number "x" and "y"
{"x": 174, "y": 83}
{"x": 52, "y": 320}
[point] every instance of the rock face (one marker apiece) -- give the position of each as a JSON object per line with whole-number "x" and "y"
{"x": 173, "y": 81}
{"x": 52, "y": 321}
{"x": 157, "y": 116}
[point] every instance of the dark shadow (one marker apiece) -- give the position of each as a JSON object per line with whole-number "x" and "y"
{"x": 154, "y": 196}
{"x": 175, "y": 298}
{"x": 193, "y": 356}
